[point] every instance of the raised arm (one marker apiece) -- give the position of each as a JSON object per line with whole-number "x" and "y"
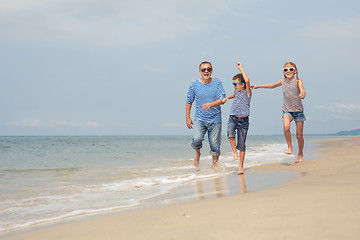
{"x": 246, "y": 78}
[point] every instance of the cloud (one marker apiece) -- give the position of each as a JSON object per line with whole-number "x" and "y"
{"x": 54, "y": 123}
{"x": 106, "y": 23}
{"x": 340, "y": 108}
{"x": 28, "y": 123}
{"x": 332, "y": 30}
{"x": 347, "y": 112}
{"x": 9, "y": 6}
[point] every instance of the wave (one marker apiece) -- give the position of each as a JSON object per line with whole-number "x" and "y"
{"x": 38, "y": 170}
{"x": 114, "y": 188}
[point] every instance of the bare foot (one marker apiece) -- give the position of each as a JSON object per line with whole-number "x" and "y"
{"x": 214, "y": 164}
{"x": 241, "y": 171}
{"x": 236, "y": 156}
{"x": 196, "y": 160}
{"x": 289, "y": 151}
{"x": 215, "y": 161}
{"x": 300, "y": 158}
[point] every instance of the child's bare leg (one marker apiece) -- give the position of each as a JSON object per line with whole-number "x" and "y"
{"x": 300, "y": 139}
{"x": 287, "y": 121}
{"x": 232, "y": 142}
{"x": 242, "y": 183}
{"x": 241, "y": 164}
{"x": 215, "y": 161}
{"x": 196, "y": 160}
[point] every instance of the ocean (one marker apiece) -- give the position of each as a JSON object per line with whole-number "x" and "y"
{"x": 50, "y": 178}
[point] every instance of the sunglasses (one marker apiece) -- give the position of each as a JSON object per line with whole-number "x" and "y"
{"x": 291, "y": 69}
{"x": 237, "y": 83}
{"x": 208, "y": 69}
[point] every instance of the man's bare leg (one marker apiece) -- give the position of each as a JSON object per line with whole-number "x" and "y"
{"x": 196, "y": 160}
{"x": 215, "y": 161}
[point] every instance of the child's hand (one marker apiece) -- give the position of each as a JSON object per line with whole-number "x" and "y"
{"x": 253, "y": 87}
{"x": 238, "y": 65}
{"x": 302, "y": 95}
{"x": 206, "y": 106}
{"x": 225, "y": 100}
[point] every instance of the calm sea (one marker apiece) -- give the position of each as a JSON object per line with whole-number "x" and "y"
{"x": 44, "y": 179}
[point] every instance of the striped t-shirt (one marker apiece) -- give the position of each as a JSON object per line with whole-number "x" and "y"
{"x": 203, "y": 93}
{"x": 241, "y": 104}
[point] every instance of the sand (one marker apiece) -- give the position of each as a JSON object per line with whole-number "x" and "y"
{"x": 322, "y": 204}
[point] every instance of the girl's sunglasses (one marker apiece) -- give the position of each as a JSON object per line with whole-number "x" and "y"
{"x": 237, "y": 83}
{"x": 289, "y": 69}
{"x": 208, "y": 69}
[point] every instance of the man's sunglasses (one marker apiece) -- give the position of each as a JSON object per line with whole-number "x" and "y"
{"x": 289, "y": 69}
{"x": 237, "y": 83}
{"x": 208, "y": 69}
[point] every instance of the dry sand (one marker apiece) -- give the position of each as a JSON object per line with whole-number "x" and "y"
{"x": 323, "y": 204}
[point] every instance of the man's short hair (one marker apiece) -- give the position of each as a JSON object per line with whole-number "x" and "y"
{"x": 205, "y": 62}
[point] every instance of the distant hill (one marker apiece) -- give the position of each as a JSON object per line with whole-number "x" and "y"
{"x": 353, "y": 132}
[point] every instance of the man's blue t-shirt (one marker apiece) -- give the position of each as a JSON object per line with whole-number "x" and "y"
{"x": 205, "y": 93}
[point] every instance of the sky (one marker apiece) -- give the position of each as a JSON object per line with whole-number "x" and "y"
{"x": 110, "y": 67}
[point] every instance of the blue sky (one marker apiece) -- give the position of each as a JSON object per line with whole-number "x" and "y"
{"x": 91, "y": 67}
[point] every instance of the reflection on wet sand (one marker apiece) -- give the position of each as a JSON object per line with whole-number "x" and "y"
{"x": 225, "y": 185}
{"x": 217, "y": 187}
{"x": 242, "y": 182}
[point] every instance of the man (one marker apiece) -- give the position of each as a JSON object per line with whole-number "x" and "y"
{"x": 208, "y": 93}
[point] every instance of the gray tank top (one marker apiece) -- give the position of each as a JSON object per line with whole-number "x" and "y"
{"x": 292, "y": 101}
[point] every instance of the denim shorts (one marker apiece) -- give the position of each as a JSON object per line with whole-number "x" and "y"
{"x": 241, "y": 126}
{"x": 297, "y": 116}
{"x": 214, "y": 135}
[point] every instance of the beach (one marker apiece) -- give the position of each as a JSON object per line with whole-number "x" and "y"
{"x": 320, "y": 204}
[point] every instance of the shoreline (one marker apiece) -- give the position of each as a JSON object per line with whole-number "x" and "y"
{"x": 225, "y": 184}
{"x": 227, "y": 208}
{"x": 188, "y": 190}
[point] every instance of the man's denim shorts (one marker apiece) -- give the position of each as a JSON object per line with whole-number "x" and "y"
{"x": 297, "y": 116}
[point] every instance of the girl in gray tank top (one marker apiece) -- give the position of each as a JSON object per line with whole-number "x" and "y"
{"x": 291, "y": 92}
{"x": 293, "y": 109}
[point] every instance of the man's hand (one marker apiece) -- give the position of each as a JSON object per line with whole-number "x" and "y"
{"x": 189, "y": 123}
